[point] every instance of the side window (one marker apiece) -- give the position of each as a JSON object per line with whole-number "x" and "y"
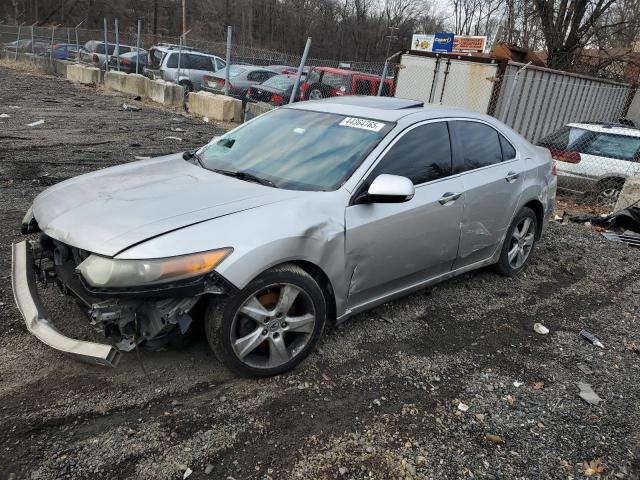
{"x": 172, "y": 61}
{"x": 313, "y": 77}
{"x": 220, "y": 64}
{"x": 259, "y": 76}
{"x": 334, "y": 80}
{"x": 199, "y": 62}
{"x": 480, "y": 145}
{"x": 363, "y": 87}
{"x": 508, "y": 152}
{"x": 422, "y": 154}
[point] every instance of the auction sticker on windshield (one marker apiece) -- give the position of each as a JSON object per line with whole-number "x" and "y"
{"x": 362, "y": 123}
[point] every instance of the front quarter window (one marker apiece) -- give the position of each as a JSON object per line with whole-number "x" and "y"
{"x": 297, "y": 149}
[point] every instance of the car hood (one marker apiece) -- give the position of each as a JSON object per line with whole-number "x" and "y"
{"x": 110, "y": 210}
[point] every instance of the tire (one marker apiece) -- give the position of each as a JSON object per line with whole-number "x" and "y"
{"x": 188, "y": 86}
{"x": 606, "y": 192}
{"x": 317, "y": 91}
{"x": 508, "y": 265}
{"x": 269, "y": 327}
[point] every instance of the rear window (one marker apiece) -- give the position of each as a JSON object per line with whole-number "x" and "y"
{"x": 235, "y": 70}
{"x": 156, "y": 58}
{"x": 281, "y": 82}
{"x": 602, "y": 144}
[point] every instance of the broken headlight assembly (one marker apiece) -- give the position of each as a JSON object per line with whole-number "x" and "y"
{"x": 104, "y": 272}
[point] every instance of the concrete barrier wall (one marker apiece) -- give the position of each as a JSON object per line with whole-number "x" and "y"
{"x": 82, "y": 74}
{"x": 131, "y": 84}
{"x": 216, "y": 107}
{"x": 165, "y": 93}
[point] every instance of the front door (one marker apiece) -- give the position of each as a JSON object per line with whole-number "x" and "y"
{"x": 492, "y": 175}
{"x": 392, "y": 246}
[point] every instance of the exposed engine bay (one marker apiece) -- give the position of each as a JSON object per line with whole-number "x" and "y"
{"x": 128, "y": 318}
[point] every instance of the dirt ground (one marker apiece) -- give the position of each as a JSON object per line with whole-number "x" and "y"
{"x": 382, "y": 397}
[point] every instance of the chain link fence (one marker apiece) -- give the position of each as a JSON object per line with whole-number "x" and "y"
{"x": 582, "y": 120}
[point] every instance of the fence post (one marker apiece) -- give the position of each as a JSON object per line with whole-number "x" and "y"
{"x": 507, "y": 107}
{"x": 53, "y": 31}
{"x": 77, "y": 42}
{"x": 138, "y": 45}
{"x": 384, "y": 72}
{"x": 117, "y": 46}
{"x": 228, "y": 59}
{"x": 18, "y": 43}
{"x": 303, "y": 60}
{"x": 33, "y": 42}
{"x": 68, "y": 37}
{"x": 179, "y": 60}
{"x": 106, "y": 47}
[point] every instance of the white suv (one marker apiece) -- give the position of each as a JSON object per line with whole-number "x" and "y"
{"x": 595, "y": 158}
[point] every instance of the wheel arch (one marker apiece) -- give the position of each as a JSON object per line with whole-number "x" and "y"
{"x": 538, "y": 209}
{"x": 323, "y": 281}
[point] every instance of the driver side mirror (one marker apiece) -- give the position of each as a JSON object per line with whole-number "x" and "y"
{"x": 387, "y": 188}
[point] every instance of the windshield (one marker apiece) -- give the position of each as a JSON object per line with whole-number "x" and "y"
{"x": 297, "y": 149}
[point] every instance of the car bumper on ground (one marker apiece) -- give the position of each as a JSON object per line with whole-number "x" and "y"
{"x": 23, "y": 280}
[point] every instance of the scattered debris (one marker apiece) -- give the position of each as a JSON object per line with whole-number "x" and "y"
{"x": 627, "y": 237}
{"x": 177, "y": 129}
{"x": 35, "y": 124}
{"x": 518, "y": 384}
{"x": 538, "y": 385}
{"x": 137, "y": 98}
{"x": 175, "y": 403}
{"x": 4, "y": 115}
{"x": 142, "y": 157}
{"x": 584, "y": 369}
{"x": 187, "y": 473}
{"x": 588, "y": 395}
{"x": 177, "y": 139}
{"x": 511, "y": 400}
{"x": 591, "y": 338}
{"x": 205, "y": 119}
{"x": 130, "y": 108}
{"x": 420, "y": 461}
{"x": 593, "y": 467}
{"x": 15, "y": 107}
{"x": 208, "y": 469}
{"x": 463, "y": 407}
{"x": 625, "y": 219}
{"x": 631, "y": 346}
{"x": 480, "y": 417}
{"x": 541, "y": 329}
{"x": 343, "y": 470}
{"x": 494, "y": 439}
{"x": 376, "y": 402}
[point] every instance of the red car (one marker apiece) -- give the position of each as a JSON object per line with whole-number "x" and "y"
{"x": 323, "y": 82}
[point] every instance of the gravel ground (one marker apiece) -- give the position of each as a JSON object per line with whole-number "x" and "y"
{"x": 382, "y": 397}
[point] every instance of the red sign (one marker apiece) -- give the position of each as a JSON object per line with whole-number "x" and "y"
{"x": 469, "y": 44}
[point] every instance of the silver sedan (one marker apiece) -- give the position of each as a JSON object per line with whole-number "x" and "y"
{"x": 307, "y": 214}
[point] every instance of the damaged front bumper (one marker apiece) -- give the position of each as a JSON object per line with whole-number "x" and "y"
{"x": 23, "y": 280}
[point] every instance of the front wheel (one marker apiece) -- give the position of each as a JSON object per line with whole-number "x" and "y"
{"x": 270, "y": 326}
{"x": 519, "y": 243}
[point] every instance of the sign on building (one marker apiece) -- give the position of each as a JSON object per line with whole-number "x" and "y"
{"x": 422, "y": 43}
{"x": 465, "y": 43}
{"x": 443, "y": 42}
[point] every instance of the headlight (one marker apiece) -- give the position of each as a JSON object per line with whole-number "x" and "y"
{"x": 108, "y": 272}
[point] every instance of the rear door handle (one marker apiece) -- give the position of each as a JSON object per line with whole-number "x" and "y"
{"x": 449, "y": 197}
{"x": 512, "y": 177}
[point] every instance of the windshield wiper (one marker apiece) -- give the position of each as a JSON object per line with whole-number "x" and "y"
{"x": 191, "y": 154}
{"x": 246, "y": 176}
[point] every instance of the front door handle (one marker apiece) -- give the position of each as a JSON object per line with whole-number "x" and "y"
{"x": 512, "y": 177}
{"x": 449, "y": 197}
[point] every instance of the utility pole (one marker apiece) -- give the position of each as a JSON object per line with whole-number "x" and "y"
{"x": 390, "y": 38}
{"x": 184, "y": 17}
{"x": 155, "y": 21}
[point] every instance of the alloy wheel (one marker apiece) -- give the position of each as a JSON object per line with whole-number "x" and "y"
{"x": 273, "y": 325}
{"x": 608, "y": 198}
{"x": 315, "y": 94}
{"x": 522, "y": 240}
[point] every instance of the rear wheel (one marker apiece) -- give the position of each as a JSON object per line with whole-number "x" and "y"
{"x": 607, "y": 191}
{"x": 518, "y": 244}
{"x": 270, "y": 326}
{"x": 317, "y": 91}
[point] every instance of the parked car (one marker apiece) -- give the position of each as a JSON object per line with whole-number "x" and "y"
{"x": 595, "y": 158}
{"x": 267, "y": 230}
{"x": 241, "y": 77}
{"x": 128, "y": 62}
{"x": 323, "y": 82}
{"x": 94, "y": 52}
{"x": 164, "y": 59}
{"x": 27, "y": 46}
{"x": 64, "y": 51}
{"x": 275, "y": 90}
{"x": 285, "y": 69}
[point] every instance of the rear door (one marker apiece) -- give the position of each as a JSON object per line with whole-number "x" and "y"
{"x": 394, "y": 246}
{"x": 199, "y": 65}
{"x": 492, "y": 175}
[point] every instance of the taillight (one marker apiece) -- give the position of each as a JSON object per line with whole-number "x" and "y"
{"x": 220, "y": 83}
{"x": 95, "y": 58}
{"x": 205, "y": 79}
{"x": 565, "y": 156}
{"x": 276, "y": 99}
{"x": 554, "y": 169}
